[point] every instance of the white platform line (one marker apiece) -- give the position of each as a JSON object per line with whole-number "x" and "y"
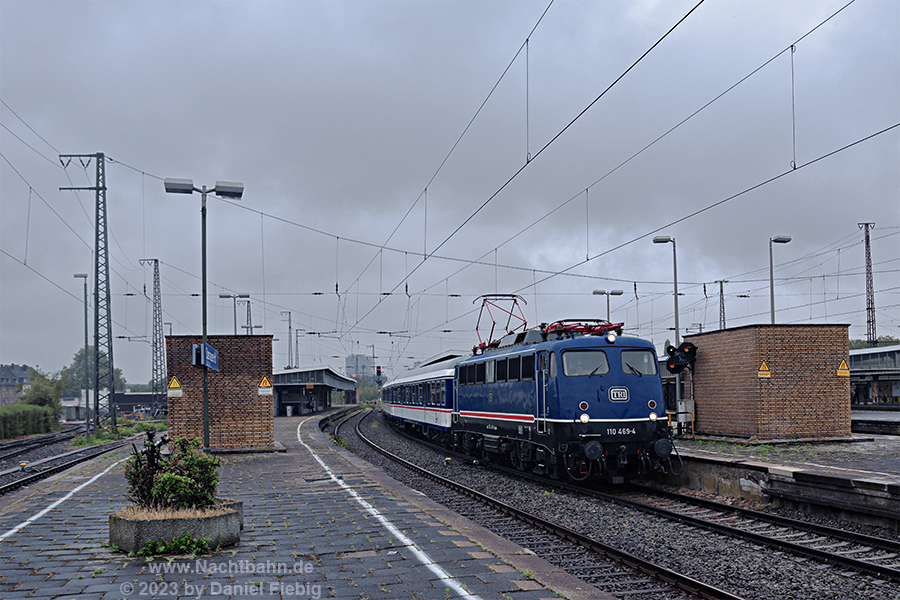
{"x": 421, "y": 555}
{"x": 43, "y": 512}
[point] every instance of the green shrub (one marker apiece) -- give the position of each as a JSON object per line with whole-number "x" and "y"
{"x": 184, "y": 544}
{"x": 25, "y": 419}
{"x": 185, "y": 479}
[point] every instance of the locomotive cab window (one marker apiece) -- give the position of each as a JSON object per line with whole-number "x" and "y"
{"x": 581, "y": 363}
{"x": 638, "y": 362}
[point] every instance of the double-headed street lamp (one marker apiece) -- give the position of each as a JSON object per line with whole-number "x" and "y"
{"x": 778, "y": 239}
{"x": 234, "y": 298}
{"x": 665, "y": 239}
{"x": 224, "y": 189}
{"x": 608, "y": 294}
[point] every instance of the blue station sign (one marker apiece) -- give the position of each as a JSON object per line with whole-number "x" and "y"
{"x": 204, "y": 354}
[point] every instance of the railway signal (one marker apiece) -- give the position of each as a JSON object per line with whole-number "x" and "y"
{"x": 681, "y": 357}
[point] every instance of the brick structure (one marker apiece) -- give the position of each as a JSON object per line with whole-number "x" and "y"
{"x": 803, "y": 396}
{"x": 239, "y": 417}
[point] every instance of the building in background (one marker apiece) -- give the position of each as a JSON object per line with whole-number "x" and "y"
{"x": 360, "y": 366}
{"x": 10, "y": 377}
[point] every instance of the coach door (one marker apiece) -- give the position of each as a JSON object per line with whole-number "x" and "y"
{"x": 542, "y": 381}
{"x": 454, "y": 392}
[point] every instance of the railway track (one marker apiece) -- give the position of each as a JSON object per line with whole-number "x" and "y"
{"x": 13, "y": 479}
{"x": 601, "y": 565}
{"x": 852, "y": 552}
{"x": 862, "y": 553}
{"x": 14, "y": 448}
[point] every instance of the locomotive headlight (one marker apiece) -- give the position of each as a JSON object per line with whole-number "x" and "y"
{"x": 584, "y": 418}
{"x": 611, "y": 338}
{"x": 653, "y": 416}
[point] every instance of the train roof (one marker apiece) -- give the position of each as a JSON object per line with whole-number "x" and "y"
{"x": 566, "y": 329}
{"x": 443, "y": 362}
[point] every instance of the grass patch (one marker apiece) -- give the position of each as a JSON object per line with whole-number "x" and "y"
{"x": 125, "y": 431}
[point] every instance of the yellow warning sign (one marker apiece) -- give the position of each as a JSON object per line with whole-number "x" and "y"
{"x": 763, "y": 371}
{"x": 264, "y": 382}
{"x": 843, "y": 370}
{"x": 174, "y": 384}
{"x": 174, "y": 390}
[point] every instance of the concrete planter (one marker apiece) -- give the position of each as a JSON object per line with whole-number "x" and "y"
{"x": 131, "y": 535}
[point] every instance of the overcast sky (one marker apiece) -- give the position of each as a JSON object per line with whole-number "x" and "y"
{"x": 369, "y": 134}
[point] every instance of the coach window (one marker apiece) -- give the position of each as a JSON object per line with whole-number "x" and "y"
{"x": 528, "y": 367}
{"x": 501, "y": 369}
{"x": 580, "y": 363}
{"x": 639, "y": 362}
{"x": 514, "y": 369}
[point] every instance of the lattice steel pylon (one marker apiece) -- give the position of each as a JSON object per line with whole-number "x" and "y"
{"x": 104, "y": 371}
{"x": 871, "y": 338}
{"x": 158, "y": 342}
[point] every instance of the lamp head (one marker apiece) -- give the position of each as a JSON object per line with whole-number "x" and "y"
{"x": 229, "y": 189}
{"x": 179, "y": 186}
{"x": 663, "y": 239}
{"x": 781, "y": 239}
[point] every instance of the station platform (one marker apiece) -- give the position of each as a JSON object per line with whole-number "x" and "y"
{"x": 855, "y": 477}
{"x": 319, "y": 522}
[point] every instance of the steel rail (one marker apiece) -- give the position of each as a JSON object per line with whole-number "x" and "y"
{"x": 637, "y": 563}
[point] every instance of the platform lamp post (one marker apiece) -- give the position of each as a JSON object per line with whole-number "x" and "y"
{"x": 778, "y": 239}
{"x": 87, "y": 401}
{"x": 665, "y": 239}
{"x": 608, "y": 294}
{"x": 234, "y": 298}
{"x": 224, "y": 189}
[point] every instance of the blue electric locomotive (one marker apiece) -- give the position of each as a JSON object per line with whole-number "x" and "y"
{"x": 571, "y": 398}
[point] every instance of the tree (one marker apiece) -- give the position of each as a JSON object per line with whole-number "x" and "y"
{"x": 73, "y": 375}
{"x": 366, "y": 391}
{"x": 881, "y": 340}
{"x": 43, "y": 390}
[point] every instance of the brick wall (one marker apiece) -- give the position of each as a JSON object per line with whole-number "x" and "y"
{"x": 803, "y": 397}
{"x": 238, "y": 416}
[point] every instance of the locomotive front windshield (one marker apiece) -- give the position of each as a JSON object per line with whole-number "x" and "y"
{"x": 580, "y": 363}
{"x": 639, "y": 362}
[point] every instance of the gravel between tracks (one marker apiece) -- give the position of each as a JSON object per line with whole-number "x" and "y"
{"x": 743, "y": 569}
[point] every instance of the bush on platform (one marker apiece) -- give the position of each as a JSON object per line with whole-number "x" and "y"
{"x": 174, "y": 499}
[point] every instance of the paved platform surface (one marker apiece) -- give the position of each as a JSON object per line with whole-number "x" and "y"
{"x": 319, "y": 523}
{"x": 858, "y": 456}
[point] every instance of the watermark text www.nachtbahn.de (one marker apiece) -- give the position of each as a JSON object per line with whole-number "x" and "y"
{"x": 231, "y": 567}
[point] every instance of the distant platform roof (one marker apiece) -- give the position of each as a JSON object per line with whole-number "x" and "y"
{"x": 313, "y": 375}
